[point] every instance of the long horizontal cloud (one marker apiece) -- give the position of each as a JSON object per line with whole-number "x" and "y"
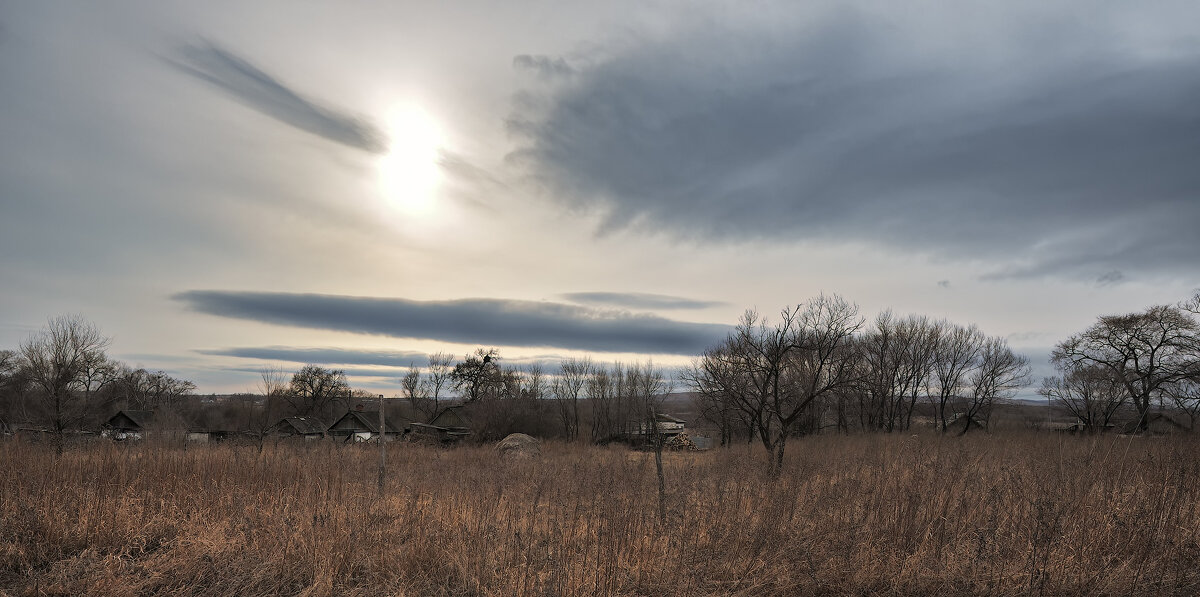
{"x": 263, "y": 93}
{"x": 638, "y": 300}
{"x": 493, "y": 322}
{"x": 390, "y": 362}
{"x": 324, "y": 356}
{"x": 1064, "y": 147}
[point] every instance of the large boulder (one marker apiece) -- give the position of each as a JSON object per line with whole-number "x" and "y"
{"x": 519, "y": 445}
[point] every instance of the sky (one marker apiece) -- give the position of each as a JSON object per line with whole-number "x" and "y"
{"x": 227, "y": 186}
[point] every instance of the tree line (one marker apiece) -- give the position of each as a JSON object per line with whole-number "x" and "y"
{"x": 1136, "y": 359}
{"x": 578, "y": 399}
{"x": 820, "y": 366}
{"x": 62, "y": 379}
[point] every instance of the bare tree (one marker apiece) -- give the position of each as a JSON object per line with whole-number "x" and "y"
{"x": 315, "y": 391}
{"x": 1090, "y": 393}
{"x": 1185, "y": 394}
{"x": 439, "y": 376}
{"x": 649, "y": 388}
{"x": 897, "y": 360}
{"x": 414, "y": 389}
{"x": 734, "y": 378}
{"x": 746, "y": 368}
{"x": 9, "y": 362}
{"x": 147, "y": 390}
{"x": 773, "y": 375}
{"x": 97, "y": 372}
{"x": 536, "y": 383}
{"x": 713, "y": 403}
{"x": 273, "y": 385}
{"x": 567, "y": 388}
{"x": 56, "y": 359}
{"x": 11, "y": 382}
{"x": 605, "y": 417}
{"x": 1147, "y": 352}
{"x": 955, "y": 356}
{"x": 820, "y": 361}
{"x": 999, "y": 374}
{"x": 478, "y": 376}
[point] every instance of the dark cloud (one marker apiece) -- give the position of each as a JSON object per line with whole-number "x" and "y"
{"x": 638, "y": 300}
{"x": 1110, "y": 278}
{"x": 544, "y": 67}
{"x": 489, "y": 322}
{"x": 1072, "y": 152}
{"x": 943, "y": 283}
{"x": 388, "y": 363}
{"x": 324, "y": 356}
{"x": 263, "y": 93}
{"x": 391, "y": 375}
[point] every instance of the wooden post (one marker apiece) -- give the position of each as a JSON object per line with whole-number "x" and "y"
{"x": 382, "y": 445}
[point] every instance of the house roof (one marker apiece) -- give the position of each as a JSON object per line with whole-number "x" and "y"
{"x": 366, "y": 420}
{"x": 302, "y": 425}
{"x": 665, "y": 418}
{"x": 1159, "y": 420}
{"x": 139, "y": 418}
{"x": 451, "y": 417}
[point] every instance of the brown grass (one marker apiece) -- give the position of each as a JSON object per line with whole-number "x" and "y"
{"x": 851, "y": 515}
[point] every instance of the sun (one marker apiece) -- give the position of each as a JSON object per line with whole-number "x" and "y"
{"x": 409, "y": 172}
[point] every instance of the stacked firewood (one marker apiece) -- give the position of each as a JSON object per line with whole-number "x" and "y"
{"x": 680, "y": 442}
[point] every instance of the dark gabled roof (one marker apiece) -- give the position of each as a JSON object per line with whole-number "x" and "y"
{"x": 1159, "y": 419}
{"x": 452, "y": 417}
{"x": 139, "y": 418}
{"x": 665, "y": 418}
{"x": 301, "y": 425}
{"x": 366, "y": 420}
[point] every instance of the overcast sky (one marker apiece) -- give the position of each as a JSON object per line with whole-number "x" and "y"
{"x": 222, "y": 186}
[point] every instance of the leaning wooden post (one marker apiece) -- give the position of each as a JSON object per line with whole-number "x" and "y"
{"x": 382, "y": 446}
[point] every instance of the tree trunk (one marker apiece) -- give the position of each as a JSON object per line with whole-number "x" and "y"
{"x": 777, "y": 457}
{"x": 942, "y": 413}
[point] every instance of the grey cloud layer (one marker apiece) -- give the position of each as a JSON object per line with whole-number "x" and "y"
{"x": 391, "y": 362}
{"x": 1065, "y": 150}
{"x": 638, "y": 300}
{"x": 545, "y": 67}
{"x": 327, "y": 356}
{"x": 492, "y": 322}
{"x": 263, "y": 93}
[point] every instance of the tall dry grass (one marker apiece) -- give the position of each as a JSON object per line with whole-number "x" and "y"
{"x": 867, "y": 514}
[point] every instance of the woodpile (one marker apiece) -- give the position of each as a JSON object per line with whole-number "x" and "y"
{"x": 680, "y": 442}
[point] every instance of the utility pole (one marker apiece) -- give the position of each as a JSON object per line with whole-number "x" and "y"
{"x": 382, "y": 446}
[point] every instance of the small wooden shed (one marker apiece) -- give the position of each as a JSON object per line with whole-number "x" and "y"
{"x": 453, "y": 419}
{"x": 667, "y": 426}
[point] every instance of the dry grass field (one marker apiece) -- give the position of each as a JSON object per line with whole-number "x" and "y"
{"x": 850, "y": 515}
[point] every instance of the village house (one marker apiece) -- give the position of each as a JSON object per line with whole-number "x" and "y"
{"x": 128, "y": 425}
{"x": 307, "y": 428}
{"x": 454, "y": 420}
{"x": 451, "y": 425}
{"x": 359, "y": 425}
{"x": 1160, "y": 423}
{"x": 139, "y": 424}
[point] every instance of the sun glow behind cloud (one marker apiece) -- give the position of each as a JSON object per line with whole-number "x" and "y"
{"x": 408, "y": 172}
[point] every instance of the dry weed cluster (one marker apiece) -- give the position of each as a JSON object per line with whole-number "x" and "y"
{"x": 850, "y": 515}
